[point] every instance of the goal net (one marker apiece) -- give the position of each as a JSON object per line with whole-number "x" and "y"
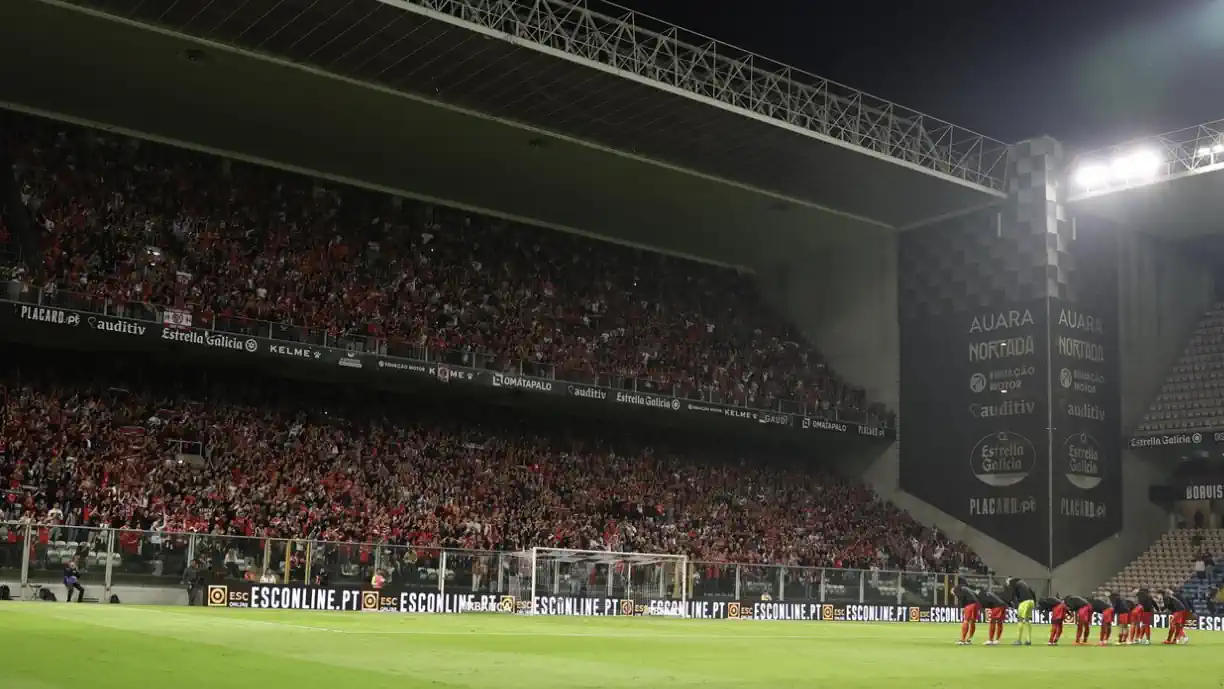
{"x": 563, "y": 581}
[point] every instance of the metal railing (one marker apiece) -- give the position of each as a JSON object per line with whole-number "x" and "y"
{"x": 35, "y": 554}
{"x": 375, "y": 344}
{"x": 1181, "y": 153}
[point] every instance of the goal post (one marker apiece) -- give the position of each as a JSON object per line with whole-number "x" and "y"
{"x": 575, "y": 575}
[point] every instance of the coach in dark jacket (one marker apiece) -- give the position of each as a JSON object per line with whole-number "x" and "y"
{"x": 193, "y": 579}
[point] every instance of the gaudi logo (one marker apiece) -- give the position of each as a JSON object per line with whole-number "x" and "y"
{"x": 626, "y": 607}
{"x": 826, "y": 613}
{"x": 1001, "y": 459}
{"x": 369, "y": 600}
{"x": 733, "y": 610}
{"x": 1084, "y": 465}
{"x": 218, "y": 596}
{"x": 506, "y": 604}
{"x": 915, "y": 614}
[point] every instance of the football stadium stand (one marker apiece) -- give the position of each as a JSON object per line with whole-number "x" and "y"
{"x": 93, "y": 443}
{"x": 126, "y": 227}
{"x": 244, "y": 250}
{"x": 1182, "y": 560}
{"x": 1192, "y": 397}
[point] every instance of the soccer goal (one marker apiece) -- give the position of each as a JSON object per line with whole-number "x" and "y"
{"x": 596, "y": 574}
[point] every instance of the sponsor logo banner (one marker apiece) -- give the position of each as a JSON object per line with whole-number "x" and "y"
{"x": 1176, "y": 440}
{"x": 1202, "y": 490}
{"x": 145, "y": 334}
{"x": 1086, "y": 426}
{"x": 390, "y": 600}
{"x": 974, "y": 399}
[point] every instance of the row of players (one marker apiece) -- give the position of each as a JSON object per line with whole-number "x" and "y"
{"x": 1132, "y": 614}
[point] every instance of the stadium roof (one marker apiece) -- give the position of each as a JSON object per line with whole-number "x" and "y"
{"x": 528, "y": 108}
{"x": 1168, "y": 185}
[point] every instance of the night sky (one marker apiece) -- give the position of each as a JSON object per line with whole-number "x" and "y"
{"x": 1090, "y": 72}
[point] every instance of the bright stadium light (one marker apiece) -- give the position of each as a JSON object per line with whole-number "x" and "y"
{"x": 1135, "y": 166}
{"x": 1091, "y": 175}
{"x": 1138, "y": 165}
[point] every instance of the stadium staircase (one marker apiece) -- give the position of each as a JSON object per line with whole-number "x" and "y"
{"x": 1192, "y": 397}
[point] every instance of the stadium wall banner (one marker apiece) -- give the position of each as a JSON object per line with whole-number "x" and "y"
{"x": 113, "y": 331}
{"x": 975, "y": 409}
{"x": 389, "y": 600}
{"x": 1201, "y": 490}
{"x": 1188, "y": 441}
{"x": 1010, "y": 314}
{"x": 1085, "y": 420}
{"x": 1086, "y": 424}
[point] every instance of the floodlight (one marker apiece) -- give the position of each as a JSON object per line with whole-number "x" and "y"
{"x": 1091, "y": 175}
{"x": 1137, "y": 165}
{"x": 1146, "y": 163}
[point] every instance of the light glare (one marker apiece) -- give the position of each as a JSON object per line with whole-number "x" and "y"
{"x": 1091, "y": 175}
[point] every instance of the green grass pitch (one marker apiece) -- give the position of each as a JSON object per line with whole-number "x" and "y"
{"x": 66, "y": 646}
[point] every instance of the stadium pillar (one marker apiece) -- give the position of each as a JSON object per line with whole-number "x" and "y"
{"x": 1009, "y": 402}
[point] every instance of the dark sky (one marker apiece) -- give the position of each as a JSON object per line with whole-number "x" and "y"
{"x": 1090, "y": 72}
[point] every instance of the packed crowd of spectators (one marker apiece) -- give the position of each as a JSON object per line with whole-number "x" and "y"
{"x": 125, "y": 221}
{"x": 91, "y": 441}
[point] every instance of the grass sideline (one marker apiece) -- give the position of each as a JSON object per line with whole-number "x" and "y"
{"x": 68, "y": 646}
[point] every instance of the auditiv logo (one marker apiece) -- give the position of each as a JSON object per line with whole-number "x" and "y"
{"x": 1086, "y": 411}
{"x": 1007, "y": 408}
{"x": 118, "y": 327}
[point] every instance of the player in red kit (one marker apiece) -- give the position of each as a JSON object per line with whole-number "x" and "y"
{"x": 1105, "y": 609}
{"x": 1082, "y": 609}
{"x": 1141, "y": 617}
{"x": 1122, "y": 610}
{"x": 1058, "y": 613}
{"x": 971, "y": 607}
{"x": 1179, "y": 615}
{"x": 996, "y": 613}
